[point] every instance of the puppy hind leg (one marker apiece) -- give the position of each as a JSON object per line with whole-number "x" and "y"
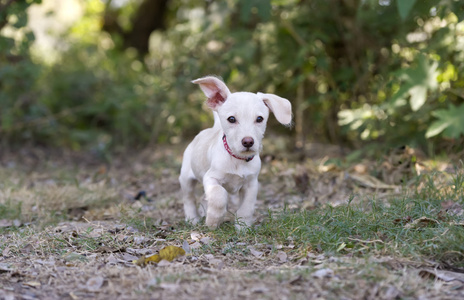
{"x": 245, "y": 212}
{"x": 232, "y": 205}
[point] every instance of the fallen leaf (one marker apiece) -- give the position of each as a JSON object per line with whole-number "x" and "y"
{"x": 370, "y": 181}
{"x": 195, "y": 245}
{"x": 195, "y": 236}
{"x": 168, "y": 253}
{"x": 164, "y": 263}
{"x": 128, "y": 257}
{"x": 214, "y": 262}
{"x": 139, "y": 240}
{"x": 94, "y": 283}
{"x": 421, "y": 222}
{"x": 259, "y": 289}
{"x": 256, "y": 253}
{"x": 209, "y": 256}
{"x": 295, "y": 280}
{"x": 186, "y": 247}
{"x": 403, "y": 220}
{"x": 446, "y": 276}
{"x": 205, "y": 240}
{"x": 143, "y": 251}
{"x": 32, "y": 283}
{"x": 50, "y": 262}
{"x": 27, "y": 249}
{"x": 341, "y": 247}
{"x": 6, "y": 223}
{"x": 73, "y": 256}
{"x": 169, "y": 286}
{"x": 106, "y": 249}
{"x": 5, "y": 268}
{"x": 323, "y": 273}
{"x": 6, "y": 251}
{"x": 460, "y": 223}
{"x": 282, "y": 256}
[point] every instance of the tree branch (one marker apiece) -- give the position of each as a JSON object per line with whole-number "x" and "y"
{"x": 2, "y": 9}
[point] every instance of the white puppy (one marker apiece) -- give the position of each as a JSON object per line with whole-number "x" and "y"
{"x": 225, "y": 158}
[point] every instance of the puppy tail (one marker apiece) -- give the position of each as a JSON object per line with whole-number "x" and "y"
{"x": 217, "y": 121}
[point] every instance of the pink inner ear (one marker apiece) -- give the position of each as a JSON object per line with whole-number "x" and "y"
{"x": 216, "y": 100}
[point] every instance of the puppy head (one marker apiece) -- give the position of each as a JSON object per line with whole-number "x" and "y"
{"x": 243, "y": 116}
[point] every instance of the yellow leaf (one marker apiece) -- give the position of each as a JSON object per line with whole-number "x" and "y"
{"x": 155, "y": 258}
{"x": 171, "y": 252}
{"x": 168, "y": 253}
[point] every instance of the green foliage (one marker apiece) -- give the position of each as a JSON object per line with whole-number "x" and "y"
{"x": 419, "y": 80}
{"x": 404, "y": 7}
{"x": 450, "y": 122}
{"x": 356, "y": 71}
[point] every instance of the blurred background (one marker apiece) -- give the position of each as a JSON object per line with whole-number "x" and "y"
{"x": 107, "y": 75}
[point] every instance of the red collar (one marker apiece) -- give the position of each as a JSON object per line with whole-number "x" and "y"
{"x": 224, "y": 141}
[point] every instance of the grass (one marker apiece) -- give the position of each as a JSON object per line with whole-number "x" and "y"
{"x": 414, "y": 225}
{"x": 361, "y": 240}
{"x": 367, "y": 226}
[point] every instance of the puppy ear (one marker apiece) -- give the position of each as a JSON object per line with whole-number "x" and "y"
{"x": 215, "y": 90}
{"x": 282, "y": 108}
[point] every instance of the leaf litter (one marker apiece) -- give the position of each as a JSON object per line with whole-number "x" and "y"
{"x": 92, "y": 256}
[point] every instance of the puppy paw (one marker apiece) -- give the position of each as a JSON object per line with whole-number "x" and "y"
{"x": 212, "y": 222}
{"x": 242, "y": 227}
{"x": 192, "y": 220}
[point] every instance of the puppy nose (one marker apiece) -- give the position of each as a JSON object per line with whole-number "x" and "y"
{"x": 247, "y": 142}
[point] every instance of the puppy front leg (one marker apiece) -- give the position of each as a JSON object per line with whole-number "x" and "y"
{"x": 188, "y": 196}
{"x": 216, "y": 196}
{"x": 245, "y": 213}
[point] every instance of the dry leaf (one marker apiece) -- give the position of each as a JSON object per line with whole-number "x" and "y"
{"x": 94, "y": 283}
{"x": 186, "y": 247}
{"x": 6, "y": 223}
{"x": 259, "y": 289}
{"x": 195, "y": 236}
{"x": 446, "y": 276}
{"x": 421, "y": 222}
{"x": 205, "y": 240}
{"x": 256, "y": 253}
{"x": 195, "y": 245}
{"x": 32, "y": 283}
{"x": 460, "y": 223}
{"x": 6, "y": 251}
{"x": 128, "y": 257}
{"x": 171, "y": 252}
{"x": 370, "y": 181}
{"x": 139, "y": 240}
{"x": 323, "y": 273}
{"x": 216, "y": 263}
{"x": 168, "y": 253}
{"x": 172, "y": 287}
{"x": 5, "y": 268}
{"x": 282, "y": 256}
{"x": 164, "y": 263}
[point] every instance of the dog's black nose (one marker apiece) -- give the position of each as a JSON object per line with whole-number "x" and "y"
{"x": 248, "y": 142}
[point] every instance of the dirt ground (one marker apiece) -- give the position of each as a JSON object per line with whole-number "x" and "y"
{"x": 80, "y": 229}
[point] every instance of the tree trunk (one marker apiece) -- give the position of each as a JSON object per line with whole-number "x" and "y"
{"x": 150, "y": 16}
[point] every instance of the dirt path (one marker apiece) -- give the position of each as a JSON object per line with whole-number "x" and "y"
{"x": 78, "y": 231}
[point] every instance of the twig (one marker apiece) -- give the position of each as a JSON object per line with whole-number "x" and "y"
{"x": 366, "y": 242}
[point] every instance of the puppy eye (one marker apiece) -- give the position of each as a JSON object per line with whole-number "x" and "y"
{"x": 259, "y": 119}
{"x": 231, "y": 119}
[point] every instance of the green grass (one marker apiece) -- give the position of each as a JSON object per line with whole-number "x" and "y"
{"x": 372, "y": 226}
